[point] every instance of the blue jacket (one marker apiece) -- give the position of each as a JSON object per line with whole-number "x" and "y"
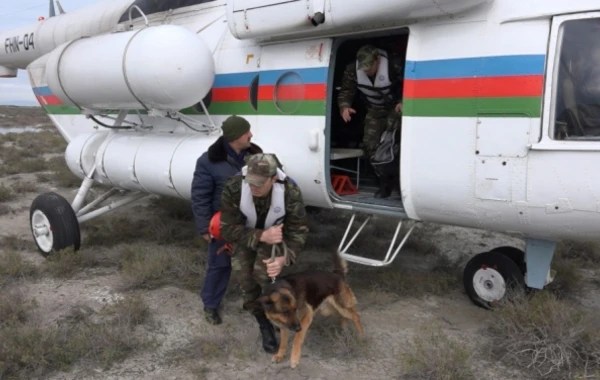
{"x": 213, "y": 168}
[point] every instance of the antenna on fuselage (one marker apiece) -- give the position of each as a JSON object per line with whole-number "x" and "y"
{"x": 52, "y": 11}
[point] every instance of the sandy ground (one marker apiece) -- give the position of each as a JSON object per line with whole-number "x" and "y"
{"x": 390, "y": 318}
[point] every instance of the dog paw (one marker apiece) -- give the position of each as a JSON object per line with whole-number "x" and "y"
{"x": 294, "y": 363}
{"x": 277, "y": 358}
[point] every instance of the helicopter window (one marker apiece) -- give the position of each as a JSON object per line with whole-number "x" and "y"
{"x": 577, "y": 102}
{"x": 254, "y": 93}
{"x": 155, "y": 6}
{"x": 288, "y": 93}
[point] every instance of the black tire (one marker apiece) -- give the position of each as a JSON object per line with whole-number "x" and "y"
{"x": 509, "y": 271}
{"x": 64, "y": 227}
{"x": 515, "y": 254}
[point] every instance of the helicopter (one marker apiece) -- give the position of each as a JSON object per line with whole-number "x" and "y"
{"x": 497, "y": 127}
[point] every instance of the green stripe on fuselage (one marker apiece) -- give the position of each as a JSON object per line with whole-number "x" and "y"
{"x": 472, "y": 107}
{"x": 457, "y": 107}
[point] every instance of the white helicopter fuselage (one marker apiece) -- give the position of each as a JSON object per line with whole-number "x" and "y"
{"x": 478, "y": 143}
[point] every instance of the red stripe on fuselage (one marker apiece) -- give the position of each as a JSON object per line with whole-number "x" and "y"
{"x": 506, "y": 86}
{"x": 293, "y": 92}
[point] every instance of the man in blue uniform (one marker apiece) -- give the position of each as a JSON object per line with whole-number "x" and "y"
{"x": 224, "y": 159}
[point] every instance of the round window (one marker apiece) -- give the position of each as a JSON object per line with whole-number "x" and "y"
{"x": 289, "y": 93}
{"x": 254, "y": 93}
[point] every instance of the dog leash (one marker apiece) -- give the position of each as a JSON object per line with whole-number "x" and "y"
{"x": 277, "y": 248}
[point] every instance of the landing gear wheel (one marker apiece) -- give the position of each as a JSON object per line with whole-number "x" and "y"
{"x": 515, "y": 254}
{"x": 488, "y": 275}
{"x": 54, "y": 224}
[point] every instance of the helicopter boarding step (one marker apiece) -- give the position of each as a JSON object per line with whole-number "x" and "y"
{"x": 389, "y": 257}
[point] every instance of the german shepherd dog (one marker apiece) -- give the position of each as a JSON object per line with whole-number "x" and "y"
{"x": 291, "y": 301}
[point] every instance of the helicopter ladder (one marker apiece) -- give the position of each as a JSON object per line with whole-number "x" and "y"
{"x": 391, "y": 253}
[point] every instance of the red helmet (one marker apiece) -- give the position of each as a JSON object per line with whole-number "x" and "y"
{"x": 214, "y": 227}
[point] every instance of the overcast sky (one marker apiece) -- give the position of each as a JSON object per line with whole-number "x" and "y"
{"x": 17, "y": 13}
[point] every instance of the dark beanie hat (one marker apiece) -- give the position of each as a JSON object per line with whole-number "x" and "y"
{"x": 234, "y": 127}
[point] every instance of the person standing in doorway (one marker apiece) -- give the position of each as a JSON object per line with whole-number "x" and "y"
{"x": 378, "y": 77}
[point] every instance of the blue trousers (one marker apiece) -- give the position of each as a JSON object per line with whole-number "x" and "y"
{"x": 217, "y": 275}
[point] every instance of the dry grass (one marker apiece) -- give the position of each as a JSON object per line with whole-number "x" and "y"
{"x": 569, "y": 259}
{"x": 5, "y": 210}
{"x": 172, "y": 208}
{"x": 436, "y": 276}
{"x": 150, "y": 267}
{"x": 568, "y": 281}
{"x": 585, "y": 254}
{"x": 61, "y": 174}
{"x": 13, "y": 308}
{"x": 17, "y": 160}
{"x": 546, "y": 336}
{"x": 13, "y": 267}
{"x": 7, "y": 194}
{"x": 21, "y": 187}
{"x": 44, "y": 177}
{"x": 26, "y": 153}
{"x": 434, "y": 355}
{"x": 327, "y": 339}
{"x": 66, "y": 263}
{"x": 12, "y": 116}
{"x": 210, "y": 345}
{"x": 112, "y": 230}
{"x": 207, "y": 346}
{"x": 15, "y": 243}
{"x": 101, "y": 338}
{"x": 42, "y": 142}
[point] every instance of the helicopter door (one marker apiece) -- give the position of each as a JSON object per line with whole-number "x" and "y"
{"x": 562, "y": 178}
{"x": 292, "y": 105}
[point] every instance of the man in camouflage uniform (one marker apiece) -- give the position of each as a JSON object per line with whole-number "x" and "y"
{"x": 259, "y": 208}
{"x": 380, "y": 83}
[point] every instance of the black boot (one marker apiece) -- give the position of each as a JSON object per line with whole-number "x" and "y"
{"x": 268, "y": 334}
{"x": 385, "y": 189}
{"x": 395, "y": 184}
{"x": 212, "y": 316}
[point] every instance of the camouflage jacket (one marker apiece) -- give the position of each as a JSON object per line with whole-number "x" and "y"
{"x": 348, "y": 88}
{"x": 233, "y": 221}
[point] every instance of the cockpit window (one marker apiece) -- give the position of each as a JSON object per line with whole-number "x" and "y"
{"x": 577, "y": 105}
{"x": 156, "y": 6}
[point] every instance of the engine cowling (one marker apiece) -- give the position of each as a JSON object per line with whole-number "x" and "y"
{"x": 280, "y": 19}
{"x": 166, "y": 67}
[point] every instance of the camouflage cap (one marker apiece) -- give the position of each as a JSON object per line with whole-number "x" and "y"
{"x": 261, "y": 167}
{"x": 366, "y": 55}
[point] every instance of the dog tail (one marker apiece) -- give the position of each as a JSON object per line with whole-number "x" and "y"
{"x": 339, "y": 264}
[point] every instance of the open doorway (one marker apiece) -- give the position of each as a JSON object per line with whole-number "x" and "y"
{"x": 347, "y": 152}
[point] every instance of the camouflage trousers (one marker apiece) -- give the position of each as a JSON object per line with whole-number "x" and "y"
{"x": 376, "y": 122}
{"x": 249, "y": 268}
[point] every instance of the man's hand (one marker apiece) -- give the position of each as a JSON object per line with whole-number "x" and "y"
{"x": 399, "y": 107}
{"x": 273, "y": 235}
{"x": 274, "y": 268}
{"x": 206, "y": 237}
{"x": 346, "y": 112}
{"x": 225, "y": 248}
